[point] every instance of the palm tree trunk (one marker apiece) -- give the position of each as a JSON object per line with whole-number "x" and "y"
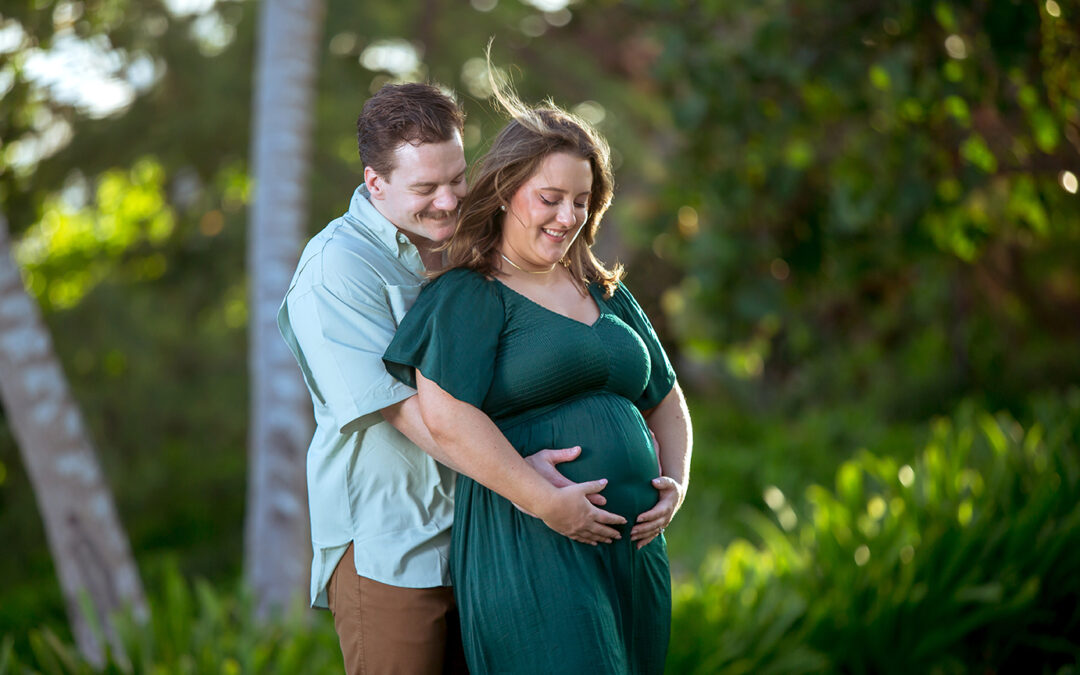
{"x": 277, "y": 543}
{"x": 89, "y": 546}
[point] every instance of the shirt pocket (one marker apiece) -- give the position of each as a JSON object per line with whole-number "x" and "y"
{"x": 401, "y": 299}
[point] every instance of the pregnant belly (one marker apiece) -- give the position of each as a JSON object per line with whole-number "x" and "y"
{"x": 615, "y": 444}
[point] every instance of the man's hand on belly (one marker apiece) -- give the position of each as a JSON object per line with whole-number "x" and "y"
{"x": 544, "y": 462}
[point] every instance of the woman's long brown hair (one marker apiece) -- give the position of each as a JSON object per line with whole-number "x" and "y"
{"x": 515, "y": 155}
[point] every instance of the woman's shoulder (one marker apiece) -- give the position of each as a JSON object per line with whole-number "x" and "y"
{"x": 623, "y": 304}
{"x": 462, "y": 285}
{"x": 460, "y": 275}
{"x": 460, "y": 278}
{"x": 621, "y": 295}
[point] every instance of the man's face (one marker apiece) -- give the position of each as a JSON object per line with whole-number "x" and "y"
{"x": 421, "y": 195}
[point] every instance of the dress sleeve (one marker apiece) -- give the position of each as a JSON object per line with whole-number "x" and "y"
{"x": 661, "y": 374}
{"x": 451, "y": 336}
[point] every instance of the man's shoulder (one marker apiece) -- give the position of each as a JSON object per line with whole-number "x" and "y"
{"x": 343, "y": 250}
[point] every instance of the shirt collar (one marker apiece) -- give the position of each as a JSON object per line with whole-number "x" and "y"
{"x": 367, "y": 216}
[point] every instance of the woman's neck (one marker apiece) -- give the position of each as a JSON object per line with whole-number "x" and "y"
{"x": 531, "y": 273}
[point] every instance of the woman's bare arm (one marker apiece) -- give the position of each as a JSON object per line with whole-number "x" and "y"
{"x": 670, "y": 424}
{"x": 405, "y": 417}
{"x": 474, "y": 446}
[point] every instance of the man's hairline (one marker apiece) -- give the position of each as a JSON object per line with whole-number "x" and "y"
{"x": 417, "y": 144}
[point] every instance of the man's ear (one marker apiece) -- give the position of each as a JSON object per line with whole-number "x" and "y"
{"x": 374, "y": 183}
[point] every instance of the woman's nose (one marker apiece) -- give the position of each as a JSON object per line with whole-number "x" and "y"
{"x": 567, "y": 216}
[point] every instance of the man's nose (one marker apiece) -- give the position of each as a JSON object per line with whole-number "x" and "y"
{"x": 445, "y": 199}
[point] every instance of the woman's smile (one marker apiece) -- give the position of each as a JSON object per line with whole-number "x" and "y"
{"x": 546, "y": 214}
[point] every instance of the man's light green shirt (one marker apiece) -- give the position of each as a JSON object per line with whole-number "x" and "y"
{"x": 367, "y": 483}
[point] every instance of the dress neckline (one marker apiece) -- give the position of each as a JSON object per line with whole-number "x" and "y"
{"x": 527, "y": 299}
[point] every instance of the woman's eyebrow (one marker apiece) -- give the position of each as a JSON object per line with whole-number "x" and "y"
{"x": 562, "y": 191}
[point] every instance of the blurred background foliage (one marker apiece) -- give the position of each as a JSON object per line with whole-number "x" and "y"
{"x": 856, "y": 226}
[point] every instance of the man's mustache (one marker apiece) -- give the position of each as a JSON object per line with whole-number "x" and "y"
{"x": 438, "y": 215}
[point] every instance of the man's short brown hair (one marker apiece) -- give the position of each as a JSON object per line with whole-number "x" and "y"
{"x": 405, "y": 113}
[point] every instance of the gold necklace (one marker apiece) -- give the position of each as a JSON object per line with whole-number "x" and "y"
{"x": 518, "y": 267}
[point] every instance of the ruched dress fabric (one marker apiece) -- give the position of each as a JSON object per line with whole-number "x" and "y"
{"x": 530, "y": 599}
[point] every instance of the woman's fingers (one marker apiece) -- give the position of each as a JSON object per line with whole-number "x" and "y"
{"x": 648, "y": 528}
{"x": 645, "y": 542}
{"x": 664, "y": 483}
{"x": 651, "y": 523}
{"x": 581, "y": 521}
{"x": 591, "y": 489}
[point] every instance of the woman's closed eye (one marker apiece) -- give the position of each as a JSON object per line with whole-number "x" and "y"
{"x": 556, "y": 202}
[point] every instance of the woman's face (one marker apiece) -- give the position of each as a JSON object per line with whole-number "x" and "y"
{"x": 546, "y": 214}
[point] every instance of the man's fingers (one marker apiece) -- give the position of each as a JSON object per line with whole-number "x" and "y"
{"x": 554, "y": 477}
{"x": 557, "y": 456}
{"x": 597, "y": 499}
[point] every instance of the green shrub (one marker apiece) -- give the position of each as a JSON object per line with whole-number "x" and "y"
{"x": 741, "y": 450}
{"x": 965, "y": 560}
{"x": 194, "y": 629}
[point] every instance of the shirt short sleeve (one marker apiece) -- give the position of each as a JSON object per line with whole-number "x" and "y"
{"x": 451, "y": 336}
{"x": 661, "y": 374}
{"x": 338, "y": 333}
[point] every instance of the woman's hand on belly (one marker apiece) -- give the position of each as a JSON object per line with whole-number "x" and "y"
{"x": 653, "y": 521}
{"x": 572, "y": 516}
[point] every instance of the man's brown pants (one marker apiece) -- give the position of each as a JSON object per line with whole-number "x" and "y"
{"x": 386, "y": 630}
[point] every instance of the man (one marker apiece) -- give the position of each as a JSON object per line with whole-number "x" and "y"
{"x": 381, "y": 508}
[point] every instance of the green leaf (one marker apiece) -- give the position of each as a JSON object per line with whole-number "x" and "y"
{"x": 975, "y": 151}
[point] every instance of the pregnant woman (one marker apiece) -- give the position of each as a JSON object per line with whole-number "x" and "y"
{"x": 528, "y": 342}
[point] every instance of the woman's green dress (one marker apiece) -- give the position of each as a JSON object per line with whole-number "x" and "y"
{"x": 532, "y": 600}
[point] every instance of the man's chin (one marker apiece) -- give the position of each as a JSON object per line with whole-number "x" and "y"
{"x": 440, "y": 231}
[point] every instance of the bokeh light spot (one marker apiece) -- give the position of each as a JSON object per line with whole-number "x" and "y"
{"x": 955, "y": 46}
{"x": 906, "y": 475}
{"x": 688, "y": 221}
{"x": 779, "y": 269}
{"x": 212, "y": 223}
{"x": 1069, "y": 182}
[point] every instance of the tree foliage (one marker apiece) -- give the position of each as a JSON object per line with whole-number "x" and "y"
{"x": 862, "y": 207}
{"x": 874, "y": 199}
